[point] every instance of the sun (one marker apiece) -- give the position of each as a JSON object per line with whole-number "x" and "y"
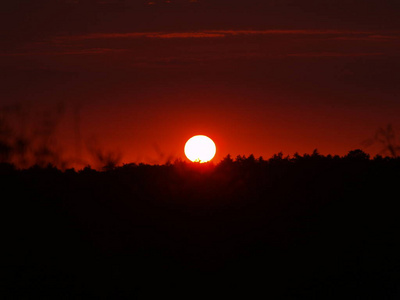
{"x": 200, "y": 148}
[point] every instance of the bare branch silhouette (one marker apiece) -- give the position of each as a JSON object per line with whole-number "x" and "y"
{"x": 386, "y": 138}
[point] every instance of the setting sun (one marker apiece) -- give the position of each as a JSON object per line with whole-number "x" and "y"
{"x": 200, "y": 148}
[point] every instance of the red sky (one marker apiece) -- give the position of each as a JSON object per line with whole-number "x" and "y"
{"x": 141, "y": 77}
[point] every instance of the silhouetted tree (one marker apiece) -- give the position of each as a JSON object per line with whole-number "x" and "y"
{"x": 357, "y": 155}
{"x": 226, "y": 162}
{"x": 251, "y": 159}
{"x": 386, "y": 137}
{"x": 105, "y": 160}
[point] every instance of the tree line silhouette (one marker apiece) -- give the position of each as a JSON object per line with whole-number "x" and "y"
{"x": 30, "y": 137}
{"x": 300, "y": 227}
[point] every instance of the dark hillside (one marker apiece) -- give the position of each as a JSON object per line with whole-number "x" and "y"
{"x": 308, "y": 227}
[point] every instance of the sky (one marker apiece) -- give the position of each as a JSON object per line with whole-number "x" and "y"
{"x": 138, "y": 78}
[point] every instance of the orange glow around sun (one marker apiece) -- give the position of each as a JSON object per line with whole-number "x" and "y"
{"x": 200, "y": 148}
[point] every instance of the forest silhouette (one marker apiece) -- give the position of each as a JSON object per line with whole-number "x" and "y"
{"x": 300, "y": 227}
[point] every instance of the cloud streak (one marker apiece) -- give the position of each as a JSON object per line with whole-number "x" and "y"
{"x": 223, "y": 33}
{"x": 369, "y": 38}
{"x": 246, "y": 46}
{"x": 333, "y": 54}
{"x": 92, "y": 51}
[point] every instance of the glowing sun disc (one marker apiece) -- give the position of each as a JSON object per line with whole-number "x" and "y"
{"x": 200, "y": 148}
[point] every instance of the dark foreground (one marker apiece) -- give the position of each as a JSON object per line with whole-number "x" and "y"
{"x": 307, "y": 228}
